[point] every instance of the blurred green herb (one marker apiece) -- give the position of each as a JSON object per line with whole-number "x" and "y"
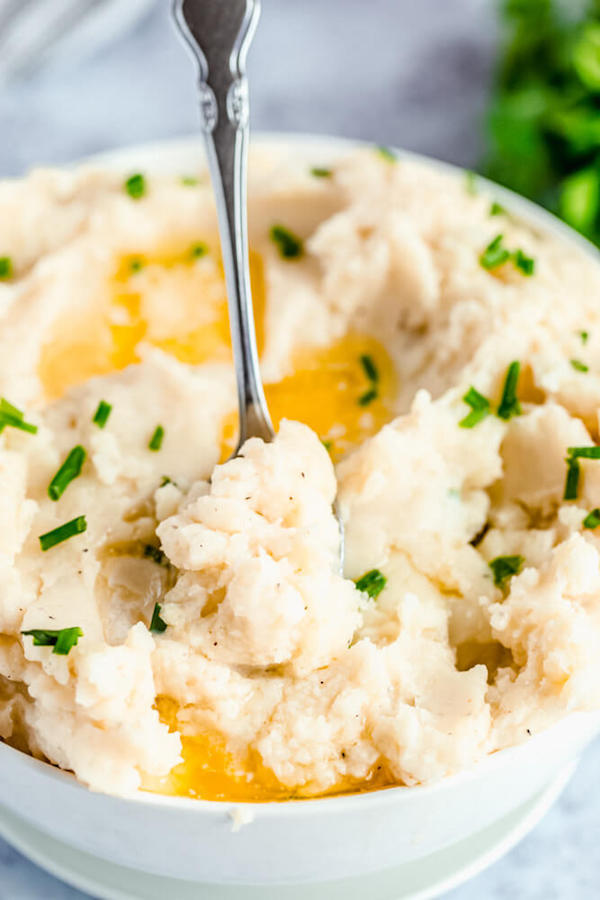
{"x": 544, "y": 121}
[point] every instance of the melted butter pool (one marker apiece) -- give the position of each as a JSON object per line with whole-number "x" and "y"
{"x": 210, "y": 772}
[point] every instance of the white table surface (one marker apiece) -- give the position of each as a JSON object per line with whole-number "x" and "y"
{"x": 414, "y": 73}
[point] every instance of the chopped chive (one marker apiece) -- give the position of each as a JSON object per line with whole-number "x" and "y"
{"x": 504, "y": 567}
{"x": 579, "y": 366}
{"x": 496, "y": 209}
{"x": 198, "y": 250}
{"x": 157, "y": 438}
{"x": 189, "y": 180}
{"x": 574, "y": 454}
{"x": 367, "y": 397}
{"x": 63, "y": 533}
{"x": 524, "y": 263}
{"x": 12, "y": 417}
{"x": 152, "y": 552}
{"x": 320, "y": 172}
{"x": 62, "y": 640}
{"x": 6, "y": 268}
{"x": 136, "y": 186}
{"x": 136, "y": 264}
{"x": 69, "y": 470}
{"x": 471, "y": 183}
{"x": 572, "y": 479}
{"x": 14, "y": 422}
{"x": 6, "y": 407}
{"x": 371, "y": 583}
{"x": 369, "y": 367}
{"x": 509, "y": 404}
{"x": 584, "y": 335}
{"x": 289, "y": 245}
{"x": 494, "y": 254}
{"x": 387, "y": 153}
{"x": 166, "y": 480}
{"x": 328, "y": 445}
{"x": 102, "y": 413}
{"x": 480, "y": 408}
{"x": 157, "y": 624}
{"x": 591, "y": 452}
{"x": 592, "y": 520}
{"x": 473, "y": 418}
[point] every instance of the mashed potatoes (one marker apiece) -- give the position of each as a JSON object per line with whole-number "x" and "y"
{"x": 186, "y": 628}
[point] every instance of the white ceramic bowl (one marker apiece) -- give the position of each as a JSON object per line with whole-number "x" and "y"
{"x": 308, "y": 840}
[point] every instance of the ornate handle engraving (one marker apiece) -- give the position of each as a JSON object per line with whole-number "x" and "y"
{"x": 209, "y": 111}
{"x": 219, "y": 33}
{"x": 238, "y": 107}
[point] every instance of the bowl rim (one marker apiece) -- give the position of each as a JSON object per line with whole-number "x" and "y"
{"x": 382, "y": 797}
{"x": 328, "y": 147}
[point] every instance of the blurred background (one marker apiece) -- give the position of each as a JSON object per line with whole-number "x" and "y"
{"x": 416, "y": 74}
{"x": 510, "y": 88}
{"x": 507, "y": 87}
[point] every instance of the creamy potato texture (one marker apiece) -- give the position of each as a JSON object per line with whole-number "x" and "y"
{"x": 429, "y": 359}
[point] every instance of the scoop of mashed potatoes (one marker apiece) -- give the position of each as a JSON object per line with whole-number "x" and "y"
{"x": 138, "y": 574}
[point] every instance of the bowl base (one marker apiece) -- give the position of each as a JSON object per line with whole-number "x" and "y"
{"x": 424, "y": 879}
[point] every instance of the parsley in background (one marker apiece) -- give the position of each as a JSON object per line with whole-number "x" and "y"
{"x": 544, "y": 121}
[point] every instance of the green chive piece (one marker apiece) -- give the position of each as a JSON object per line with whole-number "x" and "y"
{"x": 136, "y": 186}
{"x": 584, "y": 335}
{"x": 579, "y": 366}
{"x": 290, "y": 246}
{"x": 494, "y": 254}
{"x": 189, "y": 180}
{"x": 509, "y": 404}
{"x": 102, "y": 413}
{"x": 63, "y": 533}
{"x": 135, "y": 265}
{"x": 574, "y": 454}
{"x": 480, "y": 408}
{"x": 152, "y": 552}
{"x": 6, "y": 268}
{"x": 369, "y": 367}
{"x": 387, "y": 153}
{"x": 14, "y": 422}
{"x": 6, "y": 407}
{"x": 69, "y": 470}
{"x": 367, "y": 397}
{"x": 166, "y": 480}
{"x": 157, "y": 624}
{"x": 496, "y": 209}
{"x": 572, "y": 479}
{"x": 62, "y": 640}
{"x": 524, "y": 263}
{"x": 471, "y": 186}
{"x": 371, "y": 583}
{"x": 320, "y": 172}
{"x": 592, "y": 520}
{"x": 12, "y": 417}
{"x": 198, "y": 250}
{"x": 591, "y": 452}
{"x": 328, "y": 445}
{"x": 157, "y": 438}
{"x": 504, "y": 567}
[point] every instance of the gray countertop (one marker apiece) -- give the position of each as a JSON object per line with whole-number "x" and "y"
{"x": 413, "y": 74}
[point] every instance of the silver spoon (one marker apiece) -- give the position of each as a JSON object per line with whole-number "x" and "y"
{"x": 219, "y": 33}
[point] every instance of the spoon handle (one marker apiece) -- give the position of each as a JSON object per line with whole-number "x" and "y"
{"x": 219, "y": 34}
